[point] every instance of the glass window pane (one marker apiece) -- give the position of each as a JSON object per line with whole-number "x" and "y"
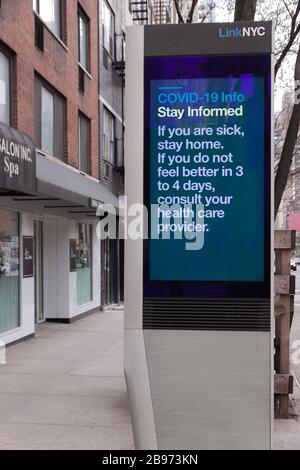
{"x": 106, "y": 135}
{"x": 4, "y": 89}
{"x": 59, "y": 126}
{"x": 49, "y": 11}
{"x": 84, "y": 264}
{"x": 108, "y": 26}
{"x": 123, "y": 50}
{"x": 109, "y": 137}
{"x": 82, "y": 42}
{"x": 9, "y": 271}
{"x": 111, "y": 33}
{"x": 107, "y": 19}
{"x": 84, "y": 131}
{"x": 57, "y": 18}
{"x": 104, "y": 22}
{"x": 112, "y": 140}
{"x": 47, "y": 121}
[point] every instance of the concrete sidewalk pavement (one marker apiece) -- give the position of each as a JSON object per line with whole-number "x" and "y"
{"x": 65, "y": 388}
{"x": 287, "y": 431}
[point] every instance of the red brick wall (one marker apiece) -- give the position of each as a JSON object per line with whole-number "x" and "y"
{"x": 57, "y": 65}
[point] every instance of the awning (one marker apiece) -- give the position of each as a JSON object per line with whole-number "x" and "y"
{"x": 59, "y": 180}
{"x": 62, "y": 192}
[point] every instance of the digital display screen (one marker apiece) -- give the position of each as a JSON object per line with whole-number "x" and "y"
{"x": 207, "y": 158}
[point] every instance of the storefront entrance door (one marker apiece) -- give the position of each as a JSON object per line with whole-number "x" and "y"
{"x": 109, "y": 272}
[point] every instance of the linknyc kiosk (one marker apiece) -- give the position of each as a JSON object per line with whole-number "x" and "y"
{"x": 198, "y": 284}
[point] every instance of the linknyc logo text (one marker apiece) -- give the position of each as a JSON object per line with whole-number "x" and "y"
{"x": 246, "y": 31}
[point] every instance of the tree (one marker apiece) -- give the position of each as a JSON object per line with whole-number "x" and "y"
{"x": 289, "y": 150}
{"x": 287, "y": 22}
{"x": 287, "y": 154}
{"x": 244, "y": 10}
{"x": 180, "y": 7}
{"x": 293, "y": 33}
{"x": 185, "y": 10}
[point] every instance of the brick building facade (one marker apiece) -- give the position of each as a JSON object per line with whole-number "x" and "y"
{"x": 50, "y": 256}
{"x": 58, "y": 65}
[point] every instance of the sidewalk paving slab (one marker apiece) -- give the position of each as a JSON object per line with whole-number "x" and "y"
{"x": 286, "y": 434}
{"x": 65, "y": 388}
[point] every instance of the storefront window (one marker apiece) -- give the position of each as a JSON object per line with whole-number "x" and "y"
{"x": 9, "y": 271}
{"x": 84, "y": 264}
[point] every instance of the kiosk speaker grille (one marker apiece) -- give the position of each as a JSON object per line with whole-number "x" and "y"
{"x": 207, "y": 314}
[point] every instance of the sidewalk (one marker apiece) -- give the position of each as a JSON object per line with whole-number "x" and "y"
{"x": 287, "y": 431}
{"x": 65, "y": 388}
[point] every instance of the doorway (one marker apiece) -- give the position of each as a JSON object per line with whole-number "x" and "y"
{"x": 38, "y": 272}
{"x": 109, "y": 272}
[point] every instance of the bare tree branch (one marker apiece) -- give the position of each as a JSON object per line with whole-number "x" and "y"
{"x": 212, "y": 6}
{"x": 287, "y": 8}
{"x": 245, "y": 11}
{"x": 192, "y": 10}
{"x": 293, "y": 35}
{"x": 185, "y": 10}
{"x": 178, "y": 11}
{"x": 287, "y": 153}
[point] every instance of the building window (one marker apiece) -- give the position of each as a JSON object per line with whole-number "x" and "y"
{"x": 109, "y": 136}
{"x": 50, "y": 119}
{"x": 84, "y": 129}
{"x": 84, "y": 263}
{"x": 50, "y": 12}
{"x": 83, "y": 39}
{"x": 47, "y": 124}
{"x": 9, "y": 271}
{"x": 4, "y": 88}
{"x": 108, "y": 28}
